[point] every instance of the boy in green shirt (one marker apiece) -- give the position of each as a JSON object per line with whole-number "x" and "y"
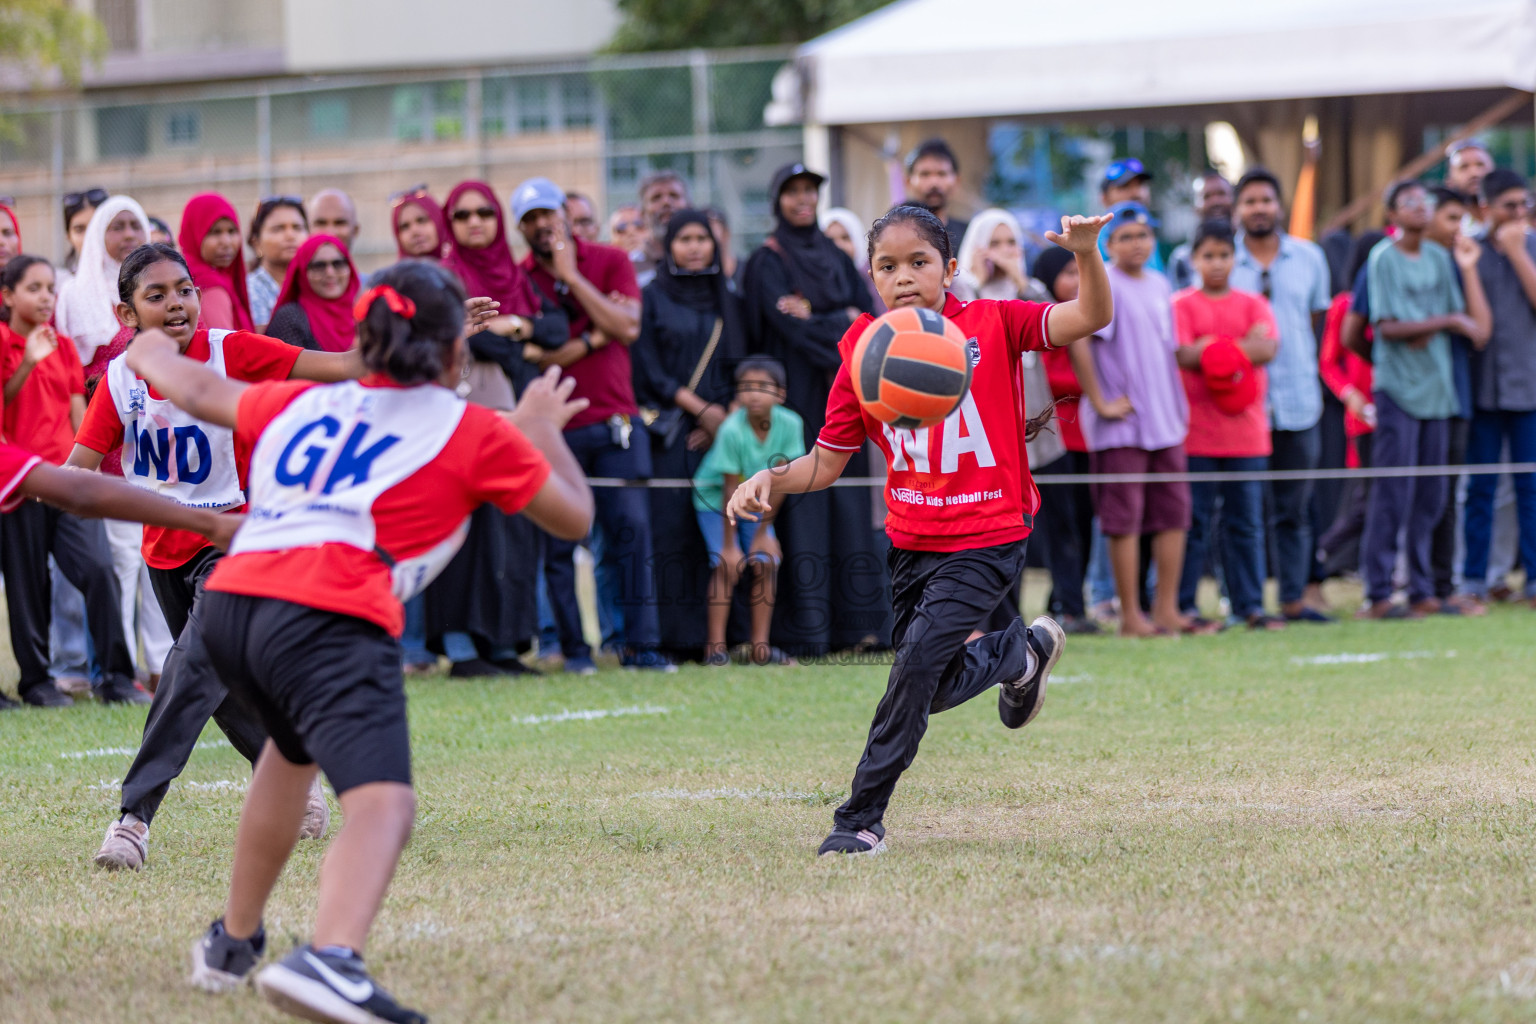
{"x": 760, "y": 434}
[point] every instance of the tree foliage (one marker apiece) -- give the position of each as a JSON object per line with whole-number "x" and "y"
{"x": 650, "y": 25}
{"x": 39, "y": 36}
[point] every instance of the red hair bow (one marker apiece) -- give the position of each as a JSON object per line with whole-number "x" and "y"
{"x": 397, "y": 303}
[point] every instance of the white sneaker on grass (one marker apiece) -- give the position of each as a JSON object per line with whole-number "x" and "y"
{"x": 126, "y": 846}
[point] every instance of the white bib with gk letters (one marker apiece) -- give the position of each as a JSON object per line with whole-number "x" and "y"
{"x": 168, "y": 451}
{"x": 324, "y": 460}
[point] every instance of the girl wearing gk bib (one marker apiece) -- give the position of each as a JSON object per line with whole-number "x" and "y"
{"x": 360, "y": 492}
{"x": 960, "y": 504}
{"x": 200, "y": 465}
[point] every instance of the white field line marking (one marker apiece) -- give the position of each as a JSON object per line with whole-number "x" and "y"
{"x": 726, "y": 793}
{"x": 1242, "y": 805}
{"x": 1368, "y": 657}
{"x": 80, "y": 755}
{"x": 106, "y": 785}
{"x": 592, "y": 714}
{"x": 1519, "y": 979}
{"x": 218, "y": 786}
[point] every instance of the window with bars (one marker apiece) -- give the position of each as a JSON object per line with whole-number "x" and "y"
{"x": 184, "y": 127}
{"x": 430, "y": 112}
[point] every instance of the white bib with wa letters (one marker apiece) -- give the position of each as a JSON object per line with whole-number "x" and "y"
{"x": 168, "y": 451}
{"x": 324, "y": 460}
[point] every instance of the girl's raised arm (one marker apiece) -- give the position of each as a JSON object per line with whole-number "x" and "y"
{"x": 1094, "y": 306}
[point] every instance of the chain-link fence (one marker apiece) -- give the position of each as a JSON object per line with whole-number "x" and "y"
{"x": 596, "y": 127}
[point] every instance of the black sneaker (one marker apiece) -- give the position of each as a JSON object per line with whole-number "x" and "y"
{"x": 45, "y": 696}
{"x": 325, "y": 987}
{"x": 1020, "y": 701}
{"x": 122, "y": 693}
{"x": 220, "y": 963}
{"x": 869, "y": 840}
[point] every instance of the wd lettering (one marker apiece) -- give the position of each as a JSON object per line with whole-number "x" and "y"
{"x": 307, "y": 451}
{"x": 188, "y": 445}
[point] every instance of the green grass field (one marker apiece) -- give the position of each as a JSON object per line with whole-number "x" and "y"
{"x": 1241, "y": 827}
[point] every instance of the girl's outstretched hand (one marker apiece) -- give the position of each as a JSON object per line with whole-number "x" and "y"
{"x": 1079, "y": 234}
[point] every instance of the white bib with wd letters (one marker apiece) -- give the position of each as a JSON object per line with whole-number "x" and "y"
{"x": 170, "y": 452}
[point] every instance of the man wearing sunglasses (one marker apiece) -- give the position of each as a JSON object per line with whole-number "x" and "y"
{"x": 1292, "y": 273}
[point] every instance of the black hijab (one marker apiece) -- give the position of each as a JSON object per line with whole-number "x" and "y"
{"x": 705, "y": 291}
{"x": 816, "y": 266}
{"x": 696, "y": 289}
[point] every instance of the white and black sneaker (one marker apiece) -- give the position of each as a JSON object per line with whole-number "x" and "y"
{"x": 866, "y": 840}
{"x": 220, "y": 963}
{"x": 330, "y": 987}
{"x": 1020, "y": 701}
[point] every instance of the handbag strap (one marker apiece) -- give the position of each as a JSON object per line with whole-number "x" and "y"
{"x": 709, "y": 351}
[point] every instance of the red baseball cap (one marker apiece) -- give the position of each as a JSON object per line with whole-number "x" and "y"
{"x": 1230, "y": 376}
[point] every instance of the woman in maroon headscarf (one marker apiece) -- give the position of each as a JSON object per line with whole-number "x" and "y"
{"x": 421, "y": 230}
{"x": 314, "y": 302}
{"x": 483, "y": 610}
{"x": 211, "y": 242}
{"x": 10, "y": 246}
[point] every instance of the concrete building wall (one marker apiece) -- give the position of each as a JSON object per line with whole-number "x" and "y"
{"x": 336, "y": 35}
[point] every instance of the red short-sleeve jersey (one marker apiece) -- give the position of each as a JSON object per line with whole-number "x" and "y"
{"x": 484, "y": 460}
{"x": 965, "y": 483}
{"x": 38, "y": 418}
{"x": 604, "y": 377}
{"x": 247, "y": 357}
{"x": 15, "y": 464}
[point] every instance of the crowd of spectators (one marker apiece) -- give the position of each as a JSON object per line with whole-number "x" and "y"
{"x": 705, "y": 365}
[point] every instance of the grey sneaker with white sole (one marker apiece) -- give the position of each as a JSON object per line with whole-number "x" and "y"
{"x": 221, "y": 963}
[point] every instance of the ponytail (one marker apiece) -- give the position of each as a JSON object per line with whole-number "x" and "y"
{"x": 408, "y": 321}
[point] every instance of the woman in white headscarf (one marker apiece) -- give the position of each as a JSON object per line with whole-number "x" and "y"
{"x": 991, "y": 258}
{"x": 87, "y": 305}
{"x": 87, "y": 312}
{"x": 849, "y": 234}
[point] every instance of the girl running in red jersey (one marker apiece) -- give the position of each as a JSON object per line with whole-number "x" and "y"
{"x": 960, "y": 503}
{"x": 359, "y": 493}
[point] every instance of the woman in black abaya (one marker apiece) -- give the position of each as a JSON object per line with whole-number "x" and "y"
{"x": 691, "y": 334}
{"x": 802, "y": 294}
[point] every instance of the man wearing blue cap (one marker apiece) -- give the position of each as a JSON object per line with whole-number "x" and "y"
{"x": 595, "y": 285}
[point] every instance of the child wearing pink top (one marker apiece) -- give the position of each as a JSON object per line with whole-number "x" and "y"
{"x": 1225, "y": 337}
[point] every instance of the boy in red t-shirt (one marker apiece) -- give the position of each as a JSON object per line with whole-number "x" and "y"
{"x": 960, "y": 503}
{"x": 1225, "y": 337}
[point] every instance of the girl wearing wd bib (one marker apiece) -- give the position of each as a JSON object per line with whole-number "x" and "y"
{"x": 960, "y": 504}
{"x": 200, "y": 465}
{"x": 359, "y": 493}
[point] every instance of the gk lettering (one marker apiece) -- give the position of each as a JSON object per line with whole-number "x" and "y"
{"x": 308, "y": 450}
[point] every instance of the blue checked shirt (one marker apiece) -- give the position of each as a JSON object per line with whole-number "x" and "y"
{"x": 1296, "y": 285}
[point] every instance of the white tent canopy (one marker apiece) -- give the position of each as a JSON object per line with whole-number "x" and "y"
{"x": 932, "y": 59}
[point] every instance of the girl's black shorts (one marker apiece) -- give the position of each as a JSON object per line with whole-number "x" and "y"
{"x": 328, "y": 687}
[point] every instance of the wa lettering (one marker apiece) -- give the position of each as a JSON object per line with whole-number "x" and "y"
{"x": 973, "y": 442}
{"x": 312, "y": 443}
{"x": 964, "y": 434}
{"x": 186, "y": 447}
